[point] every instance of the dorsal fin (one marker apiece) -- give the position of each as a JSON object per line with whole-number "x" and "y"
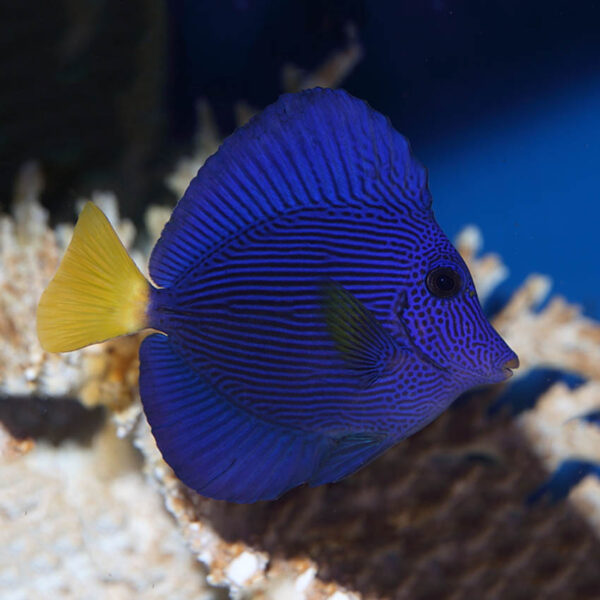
{"x": 319, "y": 147}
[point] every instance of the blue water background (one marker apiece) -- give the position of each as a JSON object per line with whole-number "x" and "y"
{"x": 529, "y": 178}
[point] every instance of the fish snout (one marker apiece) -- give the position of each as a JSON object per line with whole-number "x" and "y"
{"x": 510, "y": 364}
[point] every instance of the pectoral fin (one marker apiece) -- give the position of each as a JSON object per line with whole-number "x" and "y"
{"x": 367, "y": 348}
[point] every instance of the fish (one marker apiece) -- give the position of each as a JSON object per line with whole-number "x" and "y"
{"x": 306, "y": 311}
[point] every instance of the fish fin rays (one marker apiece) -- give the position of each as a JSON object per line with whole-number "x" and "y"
{"x": 348, "y": 454}
{"x": 97, "y": 292}
{"x": 318, "y": 147}
{"x": 366, "y": 347}
{"x": 215, "y": 447}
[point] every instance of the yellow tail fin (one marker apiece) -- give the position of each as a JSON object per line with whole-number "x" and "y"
{"x": 97, "y": 293}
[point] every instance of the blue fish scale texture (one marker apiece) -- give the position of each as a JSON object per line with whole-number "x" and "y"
{"x": 302, "y": 339}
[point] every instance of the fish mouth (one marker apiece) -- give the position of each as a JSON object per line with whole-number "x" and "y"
{"x": 495, "y": 375}
{"x": 509, "y": 366}
{"x": 508, "y": 373}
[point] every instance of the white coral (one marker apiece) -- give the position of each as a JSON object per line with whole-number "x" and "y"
{"x": 80, "y": 523}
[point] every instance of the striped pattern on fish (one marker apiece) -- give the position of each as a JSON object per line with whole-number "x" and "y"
{"x": 250, "y": 318}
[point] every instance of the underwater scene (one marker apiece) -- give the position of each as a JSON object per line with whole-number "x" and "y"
{"x": 300, "y": 300}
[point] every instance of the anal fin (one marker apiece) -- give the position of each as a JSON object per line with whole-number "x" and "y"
{"x": 214, "y": 446}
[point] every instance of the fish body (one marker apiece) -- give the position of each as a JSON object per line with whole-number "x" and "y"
{"x": 312, "y": 312}
{"x": 252, "y": 316}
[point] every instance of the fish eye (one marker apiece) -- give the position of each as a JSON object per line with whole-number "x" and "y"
{"x": 443, "y": 282}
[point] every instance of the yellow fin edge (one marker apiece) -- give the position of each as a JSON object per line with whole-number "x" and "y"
{"x": 98, "y": 292}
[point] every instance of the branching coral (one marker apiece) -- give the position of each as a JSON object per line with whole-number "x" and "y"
{"x": 29, "y": 254}
{"x": 82, "y": 523}
{"x": 558, "y": 336}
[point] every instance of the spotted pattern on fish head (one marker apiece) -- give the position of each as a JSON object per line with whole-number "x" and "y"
{"x": 441, "y": 314}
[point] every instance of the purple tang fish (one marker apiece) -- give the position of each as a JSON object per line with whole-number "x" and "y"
{"x": 310, "y": 311}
